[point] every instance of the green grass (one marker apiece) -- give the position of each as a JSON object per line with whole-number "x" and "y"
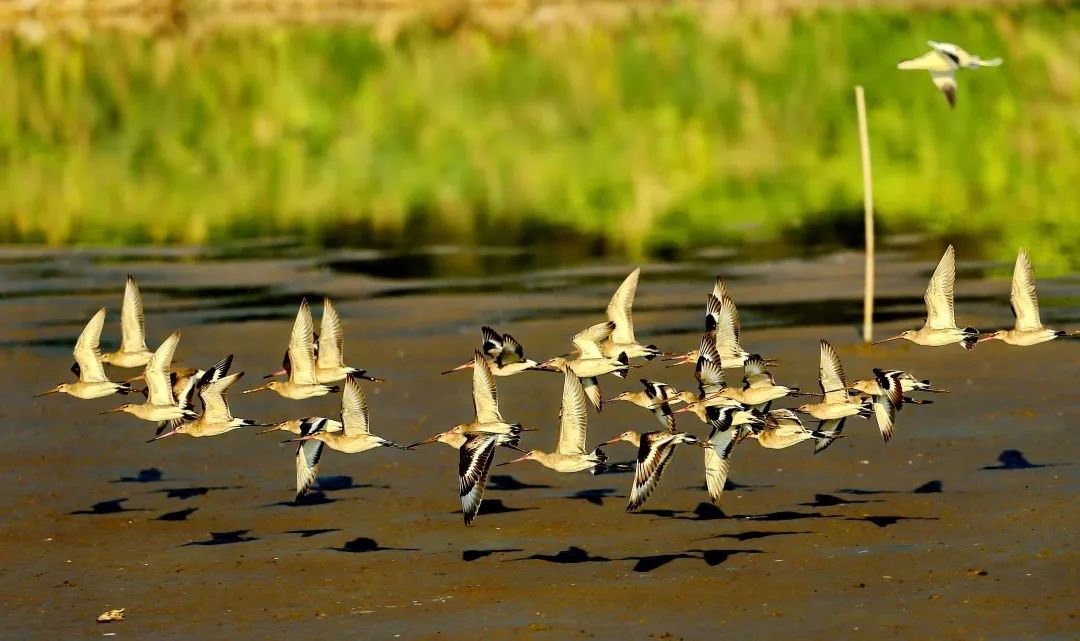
{"x": 661, "y": 135}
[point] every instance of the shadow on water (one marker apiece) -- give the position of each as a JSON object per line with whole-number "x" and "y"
{"x": 472, "y": 555}
{"x": 149, "y": 475}
{"x": 108, "y": 507}
{"x": 224, "y": 538}
{"x": 179, "y": 515}
{"x": 185, "y": 493}
{"x": 886, "y": 521}
{"x": 304, "y": 534}
{"x": 507, "y": 483}
{"x": 363, "y": 544}
{"x": 1013, "y": 460}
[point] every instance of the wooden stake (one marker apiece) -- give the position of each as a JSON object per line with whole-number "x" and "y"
{"x": 868, "y": 217}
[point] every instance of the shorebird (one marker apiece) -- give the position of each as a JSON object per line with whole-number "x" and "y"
{"x": 160, "y": 405}
{"x": 1028, "y": 329}
{"x": 354, "y": 436}
{"x": 570, "y": 454}
{"x": 505, "y": 355}
{"x": 591, "y": 363}
{"x": 215, "y": 418}
{"x": 329, "y": 346}
{"x": 908, "y": 384}
{"x": 133, "y": 351}
{"x": 92, "y": 381}
{"x": 758, "y": 391}
{"x": 722, "y": 326}
{"x": 837, "y": 405}
{"x": 487, "y": 417}
{"x": 300, "y": 358}
{"x": 886, "y": 393}
{"x": 783, "y": 429}
{"x": 723, "y": 438}
{"x": 711, "y": 385}
{"x": 654, "y": 453}
{"x": 942, "y": 61}
{"x": 656, "y": 398}
{"x": 619, "y": 311}
{"x": 940, "y": 326}
{"x": 476, "y": 455}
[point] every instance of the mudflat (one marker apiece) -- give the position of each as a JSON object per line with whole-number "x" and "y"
{"x": 962, "y": 527}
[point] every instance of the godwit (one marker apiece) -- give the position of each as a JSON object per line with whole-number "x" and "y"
{"x": 711, "y": 387}
{"x": 160, "y": 405}
{"x": 92, "y": 381}
{"x": 940, "y": 326}
{"x": 570, "y": 454}
{"x": 837, "y": 405}
{"x": 886, "y": 393}
{"x": 476, "y": 454}
{"x": 656, "y": 398}
{"x": 302, "y": 382}
{"x": 329, "y": 346}
{"x": 215, "y": 418}
{"x": 942, "y": 61}
{"x": 354, "y": 437}
{"x": 758, "y": 391}
{"x": 1028, "y": 329}
{"x": 619, "y": 311}
{"x": 505, "y": 355}
{"x": 908, "y": 383}
{"x": 189, "y": 382}
{"x": 654, "y": 453}
{"x": 723, "y": 438}
{"x": 133, "y": 351}
{"x": 722, "y": 326}
{"x": 487, "y": 417}
{"x": 783, "y": 429}
{"x": 592, "y": 363}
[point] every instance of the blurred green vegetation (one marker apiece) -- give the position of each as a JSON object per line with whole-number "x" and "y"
{"x": 660, "y": 135}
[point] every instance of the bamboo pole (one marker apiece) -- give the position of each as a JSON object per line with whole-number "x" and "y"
{"x": 868, "y": 217}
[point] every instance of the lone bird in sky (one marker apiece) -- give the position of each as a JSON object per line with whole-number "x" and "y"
{"x": 942, "y": 61}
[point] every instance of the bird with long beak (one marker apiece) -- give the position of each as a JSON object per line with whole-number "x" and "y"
{"x": 570, "y": 454}
{"x": 328, "y": 346}
{"x": 725, "y": 435}
{"x": 160, "y": 405}
{"x": 133, "y": 351}
{"x": 92, "y": 383}
{"x": 722, "y": 327}
{"x": 505, "y": 356}
{"x": 351, "y": 435}
{"x": 591, "y": 363}
{"x": 1028, "y": 329}
{"x": 302, "y": 382}
{"x": 942, "y": 61}
{"x": 908, "y": 384}
{"x": 654, "y": 454}
{"x": 783, "y": 429}
{"x": 656, "y": 398}
{"x": 620, "y": 312}
{"x": 216, "y": 418}
{"x": 940, "y": 326}
{"x": 712, "y": 319}
{"x": 886, "y": 395}
{"x": 837, "y": 404}
{"x": 487, "y": 417}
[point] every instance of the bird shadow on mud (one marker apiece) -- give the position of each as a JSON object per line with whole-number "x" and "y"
{"x": 1015, "y": 460}
{"x": 507, "y": 483}
{"x": 472, "y": 555}
{"x": 930, "y": 487}
{"x": 730, "y": 485}
{"x": 343, "y": 482}
{"x": 709, "y": 512}
{"x": 305, "y": 534}
{"x": 886, "y": 521}
{"x": 178, "y": 515}
{"x": 750, "y": 535}
{"x": 185, "y": 493}
{"x": 364, "y": 544}
{"x": 149, "y": 475}
{"x": 224, "y": 538}
{"x": 645, "y": 564}
{"x": 112, "y": 506}
{"x": 496, "y": 506}
{"x": 829, "y": 500}
{"x": 311, "y": 499}
{"x": 595, "y": 496}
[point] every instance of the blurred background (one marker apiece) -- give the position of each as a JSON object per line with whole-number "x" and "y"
{"x": 575, "y": 129}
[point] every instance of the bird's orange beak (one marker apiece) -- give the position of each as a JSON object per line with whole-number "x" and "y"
{"x": 425, "y": 441}
{"x": 113, "y": 410}
{"x": 517, "y": 460}
{"x": 55, "y": 390}
{"x": 280, "y": 372}
{"x": 894, "y": 338}
{"x": 256, "y": 389}
{"x": 465, "y": 365}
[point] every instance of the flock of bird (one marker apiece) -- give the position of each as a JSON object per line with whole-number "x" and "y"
{"x": 314, "y": 362}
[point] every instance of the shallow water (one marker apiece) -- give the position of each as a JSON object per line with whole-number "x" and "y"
{"x": 198, "y": 537}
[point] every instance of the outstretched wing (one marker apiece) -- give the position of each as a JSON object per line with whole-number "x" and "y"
{"x": 331, "y": 338}
{"x": 939, "y": 293}
{"x": 302, "y": 348}
{"x": 354, "y": 409}
{"x": 619, "y": 309}
{"x": 718, "y": 460}
{"x": 831, "y": 375}
{"x": 485, "y": 396}
{"x": 654, "y": 454}
{"x": 158, "y": 381}
{"x": 215, "y": 406}
{"x": 132, "y": 329}
{"x": 727, "y": 328}
{"x": 512, "y": 351}
{"x": 87, "y": 350}
{"x": 572, "y": 416}
{"x": 1024, "y": 301}
{"x": 476, "y": 455}
{"x": 589, "y": 341}
{"x": 493, "y": 343}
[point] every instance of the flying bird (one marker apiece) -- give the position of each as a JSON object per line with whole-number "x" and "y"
{"x": 942, "y": 61}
